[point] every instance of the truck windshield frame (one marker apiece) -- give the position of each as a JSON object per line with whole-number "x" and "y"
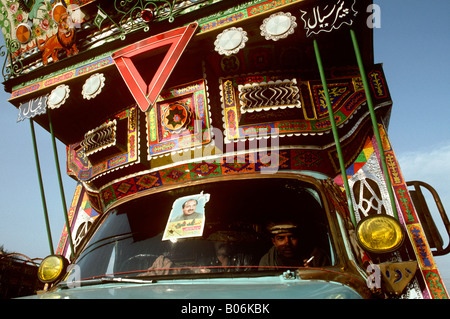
{"x": 232, "y": 231}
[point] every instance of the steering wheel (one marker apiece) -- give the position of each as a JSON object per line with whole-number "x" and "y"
{"x": 138, "y": 262}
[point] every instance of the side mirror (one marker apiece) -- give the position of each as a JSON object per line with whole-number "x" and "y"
{"x": 431, "y": 231}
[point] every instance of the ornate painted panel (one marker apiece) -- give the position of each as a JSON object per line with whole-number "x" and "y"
{"x": 369, "y": 195}
{"x": 81, "y": 215}
{"x": 413, "y": 226}
{"x": 251, "y": 162}
{"x": 180, "y": 120}
{"x": 39, "y": 25}
{"x": 111, "y": 146}
{"x": 284, "y": 105}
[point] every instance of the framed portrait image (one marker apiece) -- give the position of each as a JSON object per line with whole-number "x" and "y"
{"x": 187, "y": 217}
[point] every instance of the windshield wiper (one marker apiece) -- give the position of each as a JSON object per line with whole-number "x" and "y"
{"x": 103, "y": 280}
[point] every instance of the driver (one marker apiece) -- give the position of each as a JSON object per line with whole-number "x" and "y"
{"x": 286, "y": 249}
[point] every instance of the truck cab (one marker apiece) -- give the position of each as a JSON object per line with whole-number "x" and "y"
{"x": 219, "y": 254}
{"x": 222, "y": 149}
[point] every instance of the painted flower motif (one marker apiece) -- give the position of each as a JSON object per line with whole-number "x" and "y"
{"x": 13, "y": 7}
{"x": 19, "y": 18}
{"x": 44, "y": 24}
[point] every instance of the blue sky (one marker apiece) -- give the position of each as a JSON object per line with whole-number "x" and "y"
{"x": 413, "y": 45}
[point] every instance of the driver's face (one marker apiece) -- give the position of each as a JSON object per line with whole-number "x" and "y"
{"x": 286, "y": 244}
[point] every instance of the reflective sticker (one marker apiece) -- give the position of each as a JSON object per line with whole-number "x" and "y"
{"x": 145, "y": 93}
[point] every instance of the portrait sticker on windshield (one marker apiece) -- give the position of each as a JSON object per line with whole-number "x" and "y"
{"x": 187, "y": 217}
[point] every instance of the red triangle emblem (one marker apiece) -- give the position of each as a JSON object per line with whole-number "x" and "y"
{"x": 146, "y": 94}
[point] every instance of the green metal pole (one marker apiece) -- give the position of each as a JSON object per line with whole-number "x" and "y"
{"x": 61, "y": 188}
{"x": 374, "y": 121}
{"x": 335, "y": 133}
{"x": 41, "y": 186}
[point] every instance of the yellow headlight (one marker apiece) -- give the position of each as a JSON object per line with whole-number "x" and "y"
{"x": 380, "y": 233}
{"x": 51, "y": 268}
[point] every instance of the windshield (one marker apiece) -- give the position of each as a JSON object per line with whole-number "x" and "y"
{"x": 228, "y": 226}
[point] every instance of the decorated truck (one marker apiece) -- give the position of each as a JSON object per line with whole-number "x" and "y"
{"x": 222, "y": 149}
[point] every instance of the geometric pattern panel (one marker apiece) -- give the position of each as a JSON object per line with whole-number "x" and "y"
{"x": 269, "y": 95}
{"x": 80, "y": 159}
{"x": 413, "y": 226}
{"x": 360, "y": 171}
{"x": 81, "y": 216}
{"x": 285, "y": 160}
{"x": 346, "y": 94}
{"x": 368, "y": 190}
{"x": 339, "y": 92}
{"x": 179, "y": 120}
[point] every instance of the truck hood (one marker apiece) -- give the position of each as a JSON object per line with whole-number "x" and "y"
{"x": 217, "y": 288}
